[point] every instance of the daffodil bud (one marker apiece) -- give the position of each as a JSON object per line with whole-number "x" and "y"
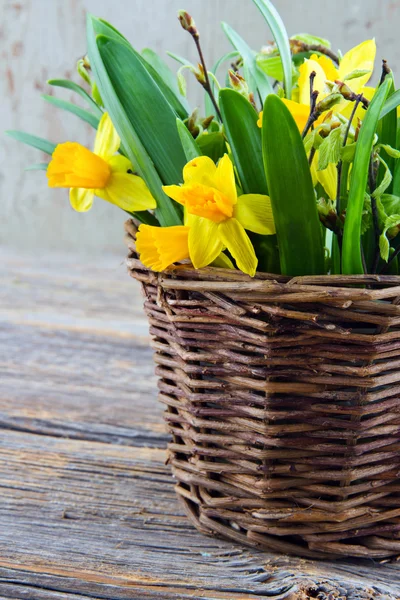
{"x": 187, "y": 23}
{"x": 238, "y": 83}
{"x": 328, "y": 102}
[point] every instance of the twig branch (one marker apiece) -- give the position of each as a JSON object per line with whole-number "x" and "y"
{"x": 189, "y": 25}
{"x": 313, "y": 116}
{"x": 385, "y": 71}
{"x": 298, "y": 46}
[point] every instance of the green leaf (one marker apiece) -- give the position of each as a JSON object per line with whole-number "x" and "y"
{"x": 278, "y": 30}
{"x": 351, "y": 249}
{"x": 176, "y": 101}
{"x": 271, "y": 65}
{"x": 167, "y": 212}
{"x": 291, "y": 192}
{"x": 255, "y": 77}
{"x": 71, "y": 85}
{"x": 385, "y": 181}
{"x": 330, "y": 149}
{"x": 212, "y": 145}
{"x": 37, "y": 167}
{"x": 181, "y": 60}
{"x": 356, "y": 74}
{"x": 33, "y": 140}
{"x": 146, "y": 108}
{"x": 168, "y": 77}
{"x": 190, "y": 147}
{"x": 391, "y": 103}
{"x": 83, "y": 114}
{"x": 348, "y": 152}
{"x": 390, "y": 151}
{"x": 311, "y": 40}
{"x": 244, "y": 138}
{"x": 384, "y": 246}
{"x": 387, "y": 133}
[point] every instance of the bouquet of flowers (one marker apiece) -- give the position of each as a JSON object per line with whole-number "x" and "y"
{"x": 290, "y": 167}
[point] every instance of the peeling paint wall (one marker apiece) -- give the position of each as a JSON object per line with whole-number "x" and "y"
{"x": 40, "y": 39}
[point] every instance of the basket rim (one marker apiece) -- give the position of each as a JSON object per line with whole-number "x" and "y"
{"x": 185, "y": 276}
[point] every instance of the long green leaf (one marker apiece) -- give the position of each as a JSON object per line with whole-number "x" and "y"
{"x": 254, "y": 76}
{"x": 83, "y": 114}
{"x": 244, "y": 138}
{"x": 71, "y": 85}
{"x": 278, "y": 30}
{"x": 391, "y": 103}
{"x": 167, "y": 211}
{"x": 32, "y": 140}
{"x": 167, "y": 82}
{"x": 190, "y": 147}
{"x": 387, "y": 134}
{"x": 37, "y": 167}
{"x": 146, "y": 108}
{"x": 291, "y": 192}
{"x": 351, "y": 248}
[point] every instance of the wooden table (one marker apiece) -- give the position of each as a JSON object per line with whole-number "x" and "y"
{"x": 87, "y": 506}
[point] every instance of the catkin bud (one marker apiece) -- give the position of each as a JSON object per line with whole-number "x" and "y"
{"x": 187, "y": 22}
{"x": 238, "y": 83}
{"x": 328, "y": 102}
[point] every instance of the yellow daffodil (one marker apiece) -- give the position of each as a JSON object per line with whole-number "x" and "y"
{"x": 216, "y": 218}
{"x": 101, "y": 173}
{"x": 160, "y": 247}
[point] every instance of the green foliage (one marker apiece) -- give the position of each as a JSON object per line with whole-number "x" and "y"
{"x": 83, "y": 114}
{"x": 291, "y": 191}
{"x": 255, "y": 77}
{"x": 33, "y": 140}
{"x": 351, "y": 258}
{"x": 278, "y": 30}
{"x": 74, "y": 87}
{"x": 120, "y": 110}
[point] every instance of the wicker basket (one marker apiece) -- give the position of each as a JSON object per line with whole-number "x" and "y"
{"x": 283, "y": 400}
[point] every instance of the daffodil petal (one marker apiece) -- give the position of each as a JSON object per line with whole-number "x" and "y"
{"x": 81, "y": 199}
{"x": 119, "y": 164}
{"x": 260, "y": 118}
{"x": 107, "y": 140}
{"x": 254, "y": 212}
{"x": 160, "y": 247}
{"x": 204, "y": 243}
{"x": 176, "y": 192}
{"x": 299, "y": 112}
{"x": 234, "y": 237}
{"x": 359, "y": 58}
{"x": 127, "y": 191}
{"x": 199, "y": 170}
{"x": 331, "y": 72}
{"x": 328, "y": 179}
{"x": 225, "y": 179}
{"x": 304, "y": 81}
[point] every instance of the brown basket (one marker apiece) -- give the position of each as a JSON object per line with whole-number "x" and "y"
{"x": 283, "y": 400}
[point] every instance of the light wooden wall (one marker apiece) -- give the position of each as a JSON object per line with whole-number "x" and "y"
{"x": 40, "y": 39}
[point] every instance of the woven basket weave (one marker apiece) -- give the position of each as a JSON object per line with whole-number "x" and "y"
{"x": 283, "y": 401}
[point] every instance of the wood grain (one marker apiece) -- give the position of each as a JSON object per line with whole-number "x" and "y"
{"x": 87, "y": 505}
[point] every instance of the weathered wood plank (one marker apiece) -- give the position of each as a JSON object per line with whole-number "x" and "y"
{"x": 87, "y": 507}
